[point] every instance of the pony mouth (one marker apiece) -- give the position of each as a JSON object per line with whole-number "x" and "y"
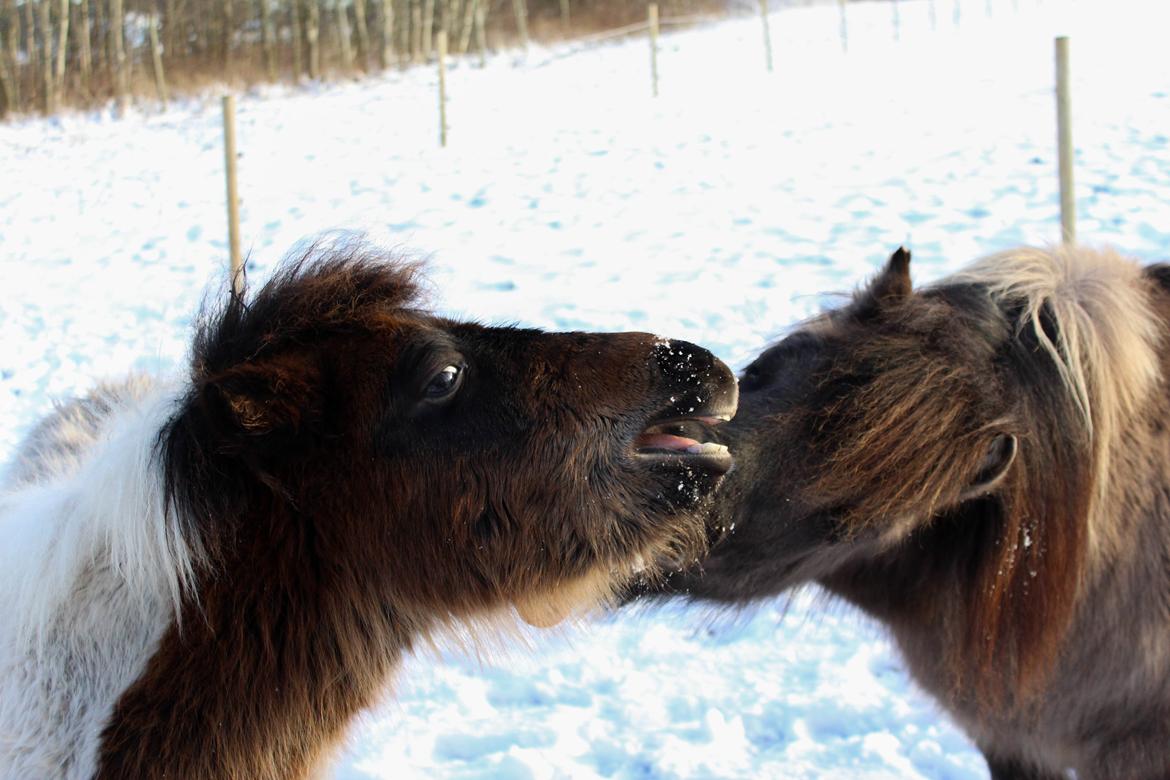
{"x": 686, "y": 440}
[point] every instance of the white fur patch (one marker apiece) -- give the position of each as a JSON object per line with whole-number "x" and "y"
{"x": 91, "y": 574}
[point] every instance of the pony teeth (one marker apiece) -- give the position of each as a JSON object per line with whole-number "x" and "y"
{"x": 707, "y": 448}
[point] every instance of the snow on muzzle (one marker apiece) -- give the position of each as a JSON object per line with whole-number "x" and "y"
{"x": 703, "y": 394}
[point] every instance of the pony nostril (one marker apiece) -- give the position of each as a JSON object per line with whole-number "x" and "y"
{"x": 682, "y": 359}
{"x": 696, "y": 379}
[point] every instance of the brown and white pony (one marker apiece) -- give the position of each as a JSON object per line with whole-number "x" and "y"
{"x": 210, "y": 578}
{"x": 982, "y": 465}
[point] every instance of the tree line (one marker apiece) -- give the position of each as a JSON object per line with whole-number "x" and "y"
{"x": 85, "y": 52}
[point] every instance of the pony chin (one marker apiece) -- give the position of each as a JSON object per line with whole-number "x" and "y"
{"x": 573, "y": 599}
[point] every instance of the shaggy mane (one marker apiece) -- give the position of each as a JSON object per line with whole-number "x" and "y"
{"x": 331, "y": 288}
{"x": 1090, "y": 314}
{"x": 1107, "y": 339}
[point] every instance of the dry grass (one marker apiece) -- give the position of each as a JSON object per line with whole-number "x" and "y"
{"x": 190, "y": 75}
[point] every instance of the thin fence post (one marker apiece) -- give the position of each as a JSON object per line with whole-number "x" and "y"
{"x": 767, "y": 33}
{"x": 233, "y": 200}
{"x": 897, "y": 21}
{"x": 652, "y": 14}
{"x": 844, "y": 27}
{"x": 442, "y": 46}
{"x": 1068, "y": 205}
{"x": 958, "y": 13}
{"x": 933, "y": 17}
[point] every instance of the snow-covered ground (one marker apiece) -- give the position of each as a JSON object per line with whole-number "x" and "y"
{"x": 567, "y": 198}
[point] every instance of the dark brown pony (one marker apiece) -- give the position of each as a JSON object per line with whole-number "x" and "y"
{"x": 340, "y": 475}
{"x": 983, "y": 466}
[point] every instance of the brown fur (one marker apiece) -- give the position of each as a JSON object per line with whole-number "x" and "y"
{"x": 344, "y": 522}
{"x": 983, "y": 466}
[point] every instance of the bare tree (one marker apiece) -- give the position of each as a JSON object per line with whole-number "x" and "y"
{"x": 54, "y": 52}
{"x": 363, "y": 34}
{"x": 415, "y": 30}
{"x": 467, "y": 25}
{"x": 268, "y": 35}
{"x": 160, "y": 80}
{"x": 228, "y": 27}
{"x": 30, "y": 48}
{"x": 520, "y": 9}
{"x": 343, "y": 38}
{"x": 12, "y": 49}
{"x": 118, "y": 56}
{"x": 7, "y": 101}
{"x": 481, "y": 10}
{"x": 313, "y": 36}
{"x": 402, "y": 16}
{"x": 428, "y": 28}
{"x": 84, "y": 53}
{"x": 387, "y": 33}
{"x": 62, "y": 48}
{"x": 46, "y": 58}
{"x": 298, "y": 39}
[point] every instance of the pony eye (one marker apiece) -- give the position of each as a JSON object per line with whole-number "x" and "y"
{"x": 444, "y": 384}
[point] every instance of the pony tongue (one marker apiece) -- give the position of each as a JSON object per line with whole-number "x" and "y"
{"x": 664, "y": 441}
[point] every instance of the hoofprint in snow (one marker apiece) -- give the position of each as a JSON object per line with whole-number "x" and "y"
{"x": 568, "y": 198}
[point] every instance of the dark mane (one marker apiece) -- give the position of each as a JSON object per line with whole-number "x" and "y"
{"x": 240, "y": 354}
{"x": 328, "y": 288}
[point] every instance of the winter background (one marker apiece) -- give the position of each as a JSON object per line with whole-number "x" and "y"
{"x": 721, "y": 212}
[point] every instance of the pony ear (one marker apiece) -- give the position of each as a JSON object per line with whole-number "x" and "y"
{"x": 893, "y": 283}
{"x": 1000, "y": 455}
{"x": 262, "y": 398}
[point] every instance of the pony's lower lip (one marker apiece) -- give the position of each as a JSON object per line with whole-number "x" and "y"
{"x": 707, "y": 456}
{"x": 686, "y": 440}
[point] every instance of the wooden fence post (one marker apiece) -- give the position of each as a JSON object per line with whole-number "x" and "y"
{"x": 767, "y": 33}
{"x": 442, "y": 87}
{"x": 1068, "y": 205}
{"x": 233, "y": 200}
{"x": 652, "y": 15}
